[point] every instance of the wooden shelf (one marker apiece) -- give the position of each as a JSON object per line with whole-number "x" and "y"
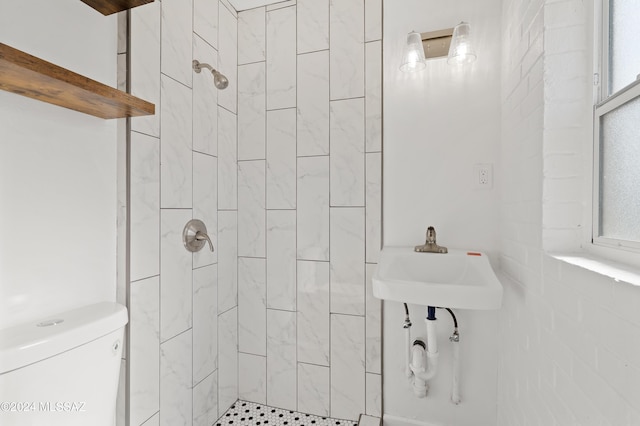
{"x": 107, "y": 7}
{"x": 29, "y": 76}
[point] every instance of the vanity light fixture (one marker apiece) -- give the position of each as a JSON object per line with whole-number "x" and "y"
{"x": 413, "y": 57}
{"x": 453, "y": 43}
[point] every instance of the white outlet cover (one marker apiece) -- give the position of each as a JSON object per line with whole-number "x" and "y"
{"x": 477, "y": 179}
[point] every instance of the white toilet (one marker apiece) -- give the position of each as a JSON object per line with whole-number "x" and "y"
{"x": 63, "y": 369}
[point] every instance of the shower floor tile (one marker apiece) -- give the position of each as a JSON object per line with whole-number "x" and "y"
{"x": 245, "y": 413}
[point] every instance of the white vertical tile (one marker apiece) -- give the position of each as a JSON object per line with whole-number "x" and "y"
{"x": 227, "y": 359}
{"x": 281, "y": 58}
{"x": 227, "y": 160}
{"x": 252, "y": 307}
{"x": 374, "y": 327}
{"x": 121, "y": 72}
{"x": 228, "y": 57}
{"x": 281, "y": 359}
{"x": 347, "y": 261}
{"x": 313, "y": 208}
{"x": 374, "y": 206}
{"x": 313, "y": 104}
{"x": 313, "y": 312}
{"x": 346, "y": 19}
{"x": 313, "y": 389}
{"x": 347, "y": 153}
{"x": 251, "y": 36}
{"x": 313, "y": 21}
{"x": 145, "y": 64}
{"x": 230, "y": 8}
{"x": 205, "y": 20}
{"x": 281, "y": 259}
{"x": 227, "y": 260}
{"x": 122, "y": 33}
{"x": 205, "y": 101}
{"x": 373, "y": 103}
{"x": 372, "y": 20}
{"x": 153, "y": 421}
{"x": 145, "y": 206}
{"x": 281, "y": 4}
{"x": 251, "y": 209}
{"x": 205, "y": 401}
{"x": 177, "y": 30}
{"x": 374, "y": 395}
{"x": 176, "y": 399}
{"x": 205, "y": 322}
{"x": 176, "y": 145}
{"x": 144, "y": 352}
{"x": 205, "y": 204}
{"x": 175, "y": 273}
{"x": 253, "y": 378}
{"x": 121, "y": 398}
{"x": 281, "y": 159}
{"x": 347, "y": 367}
{"x": 251, "y": 112}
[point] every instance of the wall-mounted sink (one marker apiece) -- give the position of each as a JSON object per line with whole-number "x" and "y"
{"x": 458, "y": 279}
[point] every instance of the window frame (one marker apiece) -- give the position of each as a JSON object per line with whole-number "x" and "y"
{"x": 603, "y": 104}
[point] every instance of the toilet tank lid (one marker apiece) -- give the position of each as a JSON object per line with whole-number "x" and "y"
{"x": 25, "y": 344}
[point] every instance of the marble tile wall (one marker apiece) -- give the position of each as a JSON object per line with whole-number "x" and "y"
{"x": 309, "y": 194}
{"x": 183, "y": 333}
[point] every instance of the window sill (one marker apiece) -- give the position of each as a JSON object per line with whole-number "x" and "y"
{"x": 602, "y": 266}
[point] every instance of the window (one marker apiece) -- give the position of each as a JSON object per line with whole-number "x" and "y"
{"x": 617, "y": 129}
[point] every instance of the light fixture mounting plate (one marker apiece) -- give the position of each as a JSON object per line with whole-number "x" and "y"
{"x": 436, "y": 43}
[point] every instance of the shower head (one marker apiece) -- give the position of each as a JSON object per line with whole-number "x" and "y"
{"x": 219, "y": 80}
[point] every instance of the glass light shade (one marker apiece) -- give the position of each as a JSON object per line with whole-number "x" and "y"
{"x": 461, "y": 50}
{"x": 413, "y": 55}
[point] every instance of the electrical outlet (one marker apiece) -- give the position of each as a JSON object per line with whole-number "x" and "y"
{"x": 483, "y": 176}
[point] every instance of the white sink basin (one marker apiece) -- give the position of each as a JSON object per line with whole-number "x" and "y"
{"x": 458, "y": 279}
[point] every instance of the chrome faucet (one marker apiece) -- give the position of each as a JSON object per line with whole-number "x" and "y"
{"x": 430, "y": 245}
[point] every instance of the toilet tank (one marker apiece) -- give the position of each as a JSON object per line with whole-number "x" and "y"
{"x": 63, "y": 369}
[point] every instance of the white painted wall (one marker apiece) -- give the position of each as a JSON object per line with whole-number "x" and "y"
{"x": 57, "y": 169}
{"x": 438, "y": 123}
{"x": 570, "y": 337}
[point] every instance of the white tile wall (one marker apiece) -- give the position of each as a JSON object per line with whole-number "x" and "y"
{"x": 281, "y": 159}
{"x": 252, "y": 306}
{"x": 145, "y": 64}
{"x": 321, "y": 192}
{"x": 176, "y": 144}
{"x": 313, "y": 389}
{"x": 205, "y": 204}
{"x": 347, "y": 366}
{"x": 347, "y": 152}
{"x": 205, "y": 100}
{"x": 205, "y": 322}
{"x": 251, "y": 36}
{"x": 251, "y": 209}
{"x": 281, "y": 359}
{"x": 281, "y": 58}
{"x": 177, "y": 33}
{"x": 347, "y": 261}
{"x": 313, "y": 103}
{"x": 313, "y": 312}
{"x": 176, "y": 396}
{"x": 187, "y": 302}
{"x": 347, "y": 49}
{"x": 281, "y": 260}
{"x": 145, "y": 206}
{"x": 175, "y": 275}
{"x": 313, "y": 208}
{"x": 253, "y": 374}
{"x": 251, "y": 111}
{"x": 205, "y": 20}
{"x": 144, "y": 359}
{"x": 560, "y": 362}
{"x": 205, "y": 401}
{"x": 313, "y": 16}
